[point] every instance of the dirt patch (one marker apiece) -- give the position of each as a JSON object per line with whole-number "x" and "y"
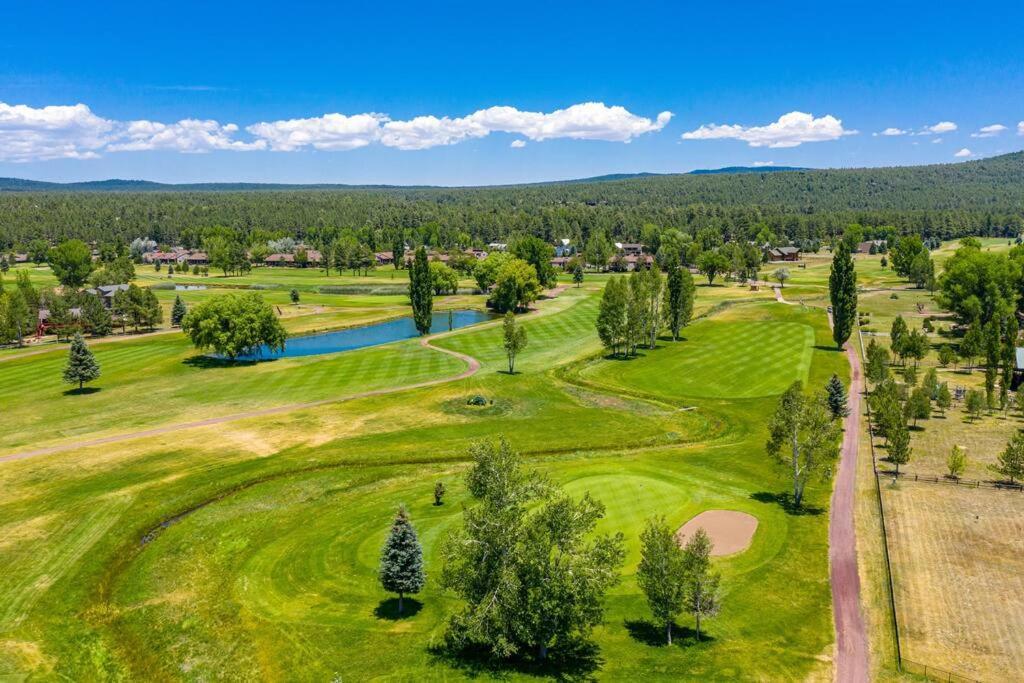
{"x": 730, "y": 531}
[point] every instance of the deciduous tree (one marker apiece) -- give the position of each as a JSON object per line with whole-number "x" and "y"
{"x": 661, "y": 574}
{"x": 803, "y": 437}
{"x": 842, "y": 287}
{"x": 515, "y": 340}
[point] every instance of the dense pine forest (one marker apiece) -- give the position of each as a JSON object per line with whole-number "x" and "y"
{"x": 946, "y": 200}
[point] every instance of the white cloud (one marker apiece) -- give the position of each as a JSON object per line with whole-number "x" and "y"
{"x": 790, "y": 130}
{"x": 187, "y": 135}
{"x": 989, "y": 131}
{"x": 330, "y": 132}
{"x": 53, "y": 132}
{"x": 891, "y": 132}
{"x": 518, "y": 144}
{"x": 759, "y": 164}
{"x": 587, "y": 121}
{"x": 74, "y": 132}
{"x": 940, "y": 127}
{"x": 937, "y": 141}
{"x": 1020, "y": 128}
{"x": 963, "y": 153}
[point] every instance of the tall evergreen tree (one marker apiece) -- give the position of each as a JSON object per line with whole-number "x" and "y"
{"x": 82, "y": 366}
{"x": 401, "y": 560}
{"x": 421, "y": 291}
{"x": 837, "y": 397}
{"x": 178, "y": 311}
{"x": 842, "y": 286}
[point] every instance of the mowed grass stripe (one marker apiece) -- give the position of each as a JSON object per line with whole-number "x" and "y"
{"x": 140, "y": 389}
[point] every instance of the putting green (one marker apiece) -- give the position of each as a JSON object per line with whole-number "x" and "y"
{"x": 718, "y": 359}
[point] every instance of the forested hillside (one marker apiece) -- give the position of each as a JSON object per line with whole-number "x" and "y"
{"x": 947, "y": 200}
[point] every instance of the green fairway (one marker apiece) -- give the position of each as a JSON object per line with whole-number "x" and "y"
{"x": 266, "y": 565}
{"x": 718, "y": 360}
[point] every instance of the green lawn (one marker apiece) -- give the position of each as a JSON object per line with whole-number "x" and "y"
{"x": 272, "y": 576}
{"x": 718, "y": 360}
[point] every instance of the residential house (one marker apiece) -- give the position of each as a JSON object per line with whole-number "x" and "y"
{"x": 106, "y": 293}
{"x": 783, "y": 253}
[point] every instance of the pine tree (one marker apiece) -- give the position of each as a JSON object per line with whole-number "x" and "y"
{"x": 842, "y": 284}
{"x": 82, "y": 366}
{"x": 837, "y": 397}
{"x": 1010, "y": 463}
{"x": 178, "y": 311}
{"x": 401, "y": 560}
{"x": 421, "y": 291}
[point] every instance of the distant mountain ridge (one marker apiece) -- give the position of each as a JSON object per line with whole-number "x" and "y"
{"x": 122, "y": 185}
{"x": 748, "y": 169}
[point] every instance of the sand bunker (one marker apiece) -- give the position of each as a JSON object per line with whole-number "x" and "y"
{"x": 730, "y": 531}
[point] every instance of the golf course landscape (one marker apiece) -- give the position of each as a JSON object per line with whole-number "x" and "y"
{"x": 248, "y": 548}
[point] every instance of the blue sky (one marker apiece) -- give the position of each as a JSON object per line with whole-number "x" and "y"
{"x": 331, "y": 92}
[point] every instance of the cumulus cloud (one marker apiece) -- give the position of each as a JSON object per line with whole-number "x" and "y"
{"x": 587, "y": 121}
{"x": 75, "y": 132}
{"x": 938, "y": 128}
{"x": 518, "y": 144}
{"x": 1020, "y": 128}
{"x": 53, "y": 132}
{"x": 964, "y": 152}
{"x": 187, "y": 135}
{"x": 989, "y": 131}
{"x": 330, "y": 132}
{"x": 759, "y": 164}
{"x": 891, "y": 132}
{"x": 791, "y": 130}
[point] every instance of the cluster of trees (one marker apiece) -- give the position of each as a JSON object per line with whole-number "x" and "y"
{"x": 19, "y": 307}
{"x": 530, "y": 569}
{"x": 634, "y": 309}
{"x": 979, "y": 197}
{"x": 234, "y": 324}
{"x": 677, "y": 579}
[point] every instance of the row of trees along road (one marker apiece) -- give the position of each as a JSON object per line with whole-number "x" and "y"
{"x": 531, "y": 571}
{"x": 634, "y": 309}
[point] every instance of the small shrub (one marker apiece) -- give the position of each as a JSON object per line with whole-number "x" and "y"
{"x": 477, "y": 400}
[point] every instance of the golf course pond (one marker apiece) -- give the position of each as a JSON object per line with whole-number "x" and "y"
{"x": 370, "y": 335}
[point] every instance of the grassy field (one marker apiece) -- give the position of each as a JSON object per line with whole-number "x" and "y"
{"x": 959, "y": 574}
{"x": 270, "y": 573}
{"x": 954, "y": 552}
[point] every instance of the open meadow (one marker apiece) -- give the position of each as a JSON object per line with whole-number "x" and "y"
{"x": 249, "y": 548}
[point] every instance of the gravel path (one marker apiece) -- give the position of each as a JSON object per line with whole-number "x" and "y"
{"x": 851, "y": 634}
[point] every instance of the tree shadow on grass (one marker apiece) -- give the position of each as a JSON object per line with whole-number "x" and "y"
{"x": 388, "y": 609}
{"x": 84, "y": 391}
{"x": 653, "y": 635}
{"x": 785, "y": 501}
{"x": 208, "y": 362}
{"x": 575, "y": 662}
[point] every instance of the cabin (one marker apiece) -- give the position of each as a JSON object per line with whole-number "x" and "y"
{"x": 384, "y": 258}
{"x": 783, "y": 253}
